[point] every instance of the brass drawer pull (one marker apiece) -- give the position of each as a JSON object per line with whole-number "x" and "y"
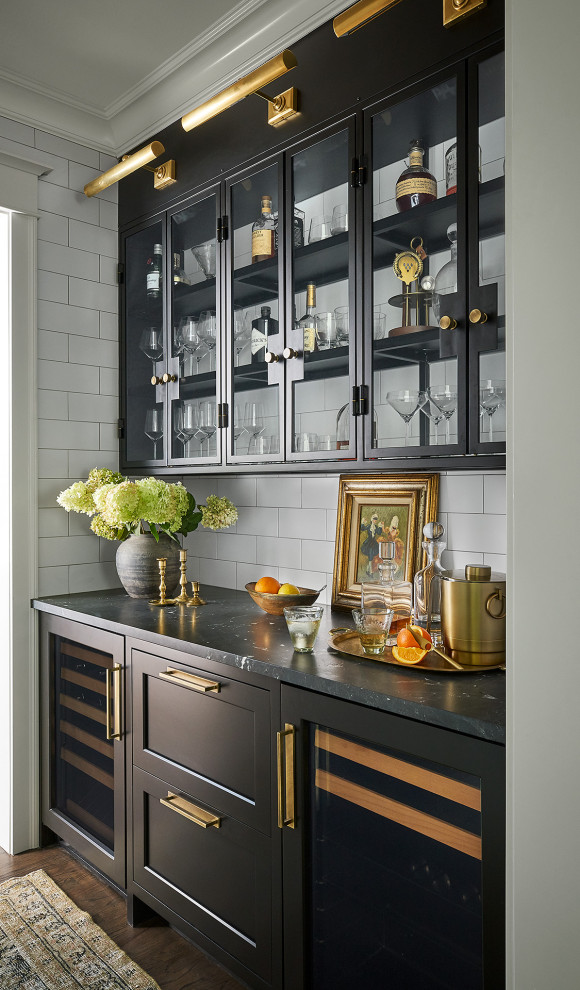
{"x": 190, "y": 680}
{"x": 198, "y": 816}
{"x": 285, "y": 766}
{"x": 113, "y": 721}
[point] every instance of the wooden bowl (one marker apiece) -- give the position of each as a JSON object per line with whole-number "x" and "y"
{"x": 275, "y": 604}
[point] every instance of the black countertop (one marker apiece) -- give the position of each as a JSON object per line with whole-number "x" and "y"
{"x": 232, "y": 630}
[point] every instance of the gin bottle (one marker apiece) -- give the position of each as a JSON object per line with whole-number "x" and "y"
{"x": 427, "y": 610}
{"x": 389, "y": 592}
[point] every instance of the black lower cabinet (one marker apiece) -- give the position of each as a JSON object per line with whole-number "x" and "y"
{"x": 393, "y": 851}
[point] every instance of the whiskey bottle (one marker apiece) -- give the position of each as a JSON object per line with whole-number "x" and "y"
{"x": 263, "y": 233}
{"x": 416, "y": 185}
{"x": 154, "y": 272}
{"x": 262, "y": 328}
{"x": 306, "y": 323}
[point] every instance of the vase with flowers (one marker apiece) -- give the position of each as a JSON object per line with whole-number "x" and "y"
{"x": 147, "y": 516}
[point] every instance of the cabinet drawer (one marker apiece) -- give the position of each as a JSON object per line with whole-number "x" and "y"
{"x": 209, "y": 735}
{"x": 218, "y": 879}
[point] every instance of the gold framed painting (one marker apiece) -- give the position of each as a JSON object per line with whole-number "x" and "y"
{"x": 373, "y": 508}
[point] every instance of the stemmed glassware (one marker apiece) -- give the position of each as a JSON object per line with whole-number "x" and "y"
{"x": 207, "y": 330}
{"x": 242, "y": 333}
{"x": 154, "y": 427}
{"x": 185, "y": 423}
{"x": 433, "y": 413}
{"x": 151, "y": 343}
{"x": 254, "y": 419}
{"x": 193, "y": 342}
{"x": 445, "y": 399}
{"x": 492, "y": 395}
{"x": 206, "y": 423}
{"x": 406, "y": 402}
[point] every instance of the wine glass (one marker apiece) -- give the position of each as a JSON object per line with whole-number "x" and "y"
{"x": 207, "y": 330}
{"x": 154, "y": 427}
{"x": 206, "y": 421}
{"x": 254, "y": 419}
{"x": 193, "y": 341}
{"x": 445, "y": 399}
{"x": 406, "y": 402}
{"x": 185, "y": 423}
{"x": 492, "y": 395}
{"x": 242, "y": 333}
{"x": 151, "y": 343}
{"x": 433, "y": 413}
{"x": 239, "y": 428}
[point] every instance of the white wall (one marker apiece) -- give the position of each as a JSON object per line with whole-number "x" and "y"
{"x": 543, "y": 481}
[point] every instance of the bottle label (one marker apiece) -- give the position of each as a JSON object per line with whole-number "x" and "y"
{"x": 451, "y": 170}
{"x": 152, "y": 281}
{"x": 416, "y": 185}
{"x": 309, "y": 339}
{"x": 258, "y": 340}
{"x": 262, "y": 243}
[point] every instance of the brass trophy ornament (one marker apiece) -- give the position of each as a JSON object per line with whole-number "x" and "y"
{"x": 408, "y": 267}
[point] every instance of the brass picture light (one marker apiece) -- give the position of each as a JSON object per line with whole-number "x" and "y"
{"x": 164, "y": 174}
{"x": 360, "y": 14}
{"x": 279, "y": 107}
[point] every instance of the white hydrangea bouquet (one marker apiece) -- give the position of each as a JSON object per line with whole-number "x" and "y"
{"x": 119, "y": 507}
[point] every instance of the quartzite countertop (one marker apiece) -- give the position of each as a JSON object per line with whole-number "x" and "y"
{"x": 232, "y": 630}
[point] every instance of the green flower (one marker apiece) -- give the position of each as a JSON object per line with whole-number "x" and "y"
{"x": 162, "y": 504}
{"x": 77, "y": 498}
{"x": 121, "y": 504}
{"x": 102, "y": 476}
{"x": 101, "y": 528}
{"x": 218, "y": 513}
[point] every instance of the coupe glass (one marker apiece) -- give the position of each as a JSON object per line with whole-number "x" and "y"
{"x": 406, "y": 402}
{"x": 433, "y": 413}
{"x": 492, "y": 396}
{"x": 154, "y": 427}
{"x": 151, "y": 343}
{"x": 445, "y": 399}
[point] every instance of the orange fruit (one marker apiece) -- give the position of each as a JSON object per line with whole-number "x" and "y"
{"x": 409, "y": 655}
{"x": 423, "y": 632}
{"x": 288, "y": 589}
{"x": 407, "y": 638}
{"x": 268, "y": 585}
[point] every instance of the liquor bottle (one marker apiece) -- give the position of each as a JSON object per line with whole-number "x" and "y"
{"x": 297, "y": 229}
{"x": 262, "y": 327}
{"x": 389, "y": 592}
{"x": 263, "y": 233}
{"x": 427, "y": 582}
{"x": 306, "y": 323}
{"x": 416, "y": 185}
{"x": 154, "y": 268}
{"x": 179, "y": 276}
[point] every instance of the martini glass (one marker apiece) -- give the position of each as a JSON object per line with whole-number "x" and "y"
{"x": 433, "y": 413}
{"x": 154, "y": 427}
{"x": 406, "y": 402}
{"x": 444, "y": 398}
{"x": 491, "y": 397}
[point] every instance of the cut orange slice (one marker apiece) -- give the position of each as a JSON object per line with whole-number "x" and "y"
{"x": 409, "y": 654}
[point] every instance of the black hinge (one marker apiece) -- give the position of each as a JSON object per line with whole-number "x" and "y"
{"x": 120, "y": 274}
{"x": 219, "y": 230}
{"x": 222, "y": 415}
{"x": 354, "y": 173}
{"x": 358, "y": 172}
{"x": 121, "y": 429}
{"x": 360, "y": 400}
{"x": 225, "y": 228}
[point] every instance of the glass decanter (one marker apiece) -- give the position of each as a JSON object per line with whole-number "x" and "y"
{"x": 446, "y": 278}
{"x": 389, "y": 592}
{"x": 427, "y": 582}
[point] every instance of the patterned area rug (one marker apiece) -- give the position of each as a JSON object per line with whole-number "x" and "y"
{"x": 46, "y": 943}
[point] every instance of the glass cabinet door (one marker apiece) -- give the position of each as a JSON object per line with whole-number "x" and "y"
{"x": 415, "y": 289}
{"x": 320, "y": 310}
{"x": 487, "y": 277}
{"x": 255, "y": 332}
{"x": 144, "y": 347}
{"x": 193, "y": 364}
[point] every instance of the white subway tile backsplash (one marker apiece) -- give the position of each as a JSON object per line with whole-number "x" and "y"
{"x": 461, "y": 493}
{"x": 89, "y": 237}
{"x": 79, "y": 175}
{"x": 67, "y": 319}
{"x": 109, "y": 326}
{"x": 458, "y": 559}
{"x": 317, "y": 555}
{"x": 202, "y": 543}
{"x": 52, "y": 522}
{"x": 232, "y": 546}
{"x": 93, "y": 350}
{"x": 256, "y": 520}
{"x": 52, "y": 346}
{"x": 53, "y": 463}
{"x": 497, "y": 561}
{"x": 67, "y": 203}
{"x": 52, "y": 287}
{"x": 78, "y": 524}
{"x": 241, "y": 491}
{"x": 303, "y": 524}
{"x": 320, "y": 493}
{"x": 480, "y": 533}
{"x": 331, "y": 520}
{"x": 66, "y": 149}
{"x": 67, "y": 261}
{"x": 108, "y": 215}
{"x": 67, "y": 434}
{"x": 219, "y": 572}
{"x": 93, "y": 408}
{"x": 52, "y": 228}
{"x": 108, "y": 436}
{"x": 108, "y": 270}
{"x": 494, "y": 493}
{"x": 278, "y": 551}
{"x": 80, "y": 462}
{"x": 15, "y": 131}
{"x": 52, "y": 581}
{"x": 109, "y": 381}
{"x": 95, "y": 295}
{"x": 286, "y": 491}
{"x": 53, "y": 551}
{"x": 93, "y": 577}
{"x": 52, "y": 405}
{"x": 309, "y": 579}
{"x": 67, "y": 377}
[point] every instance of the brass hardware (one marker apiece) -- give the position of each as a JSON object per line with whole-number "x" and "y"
{"x": 498, "y": 596}
{"x": 289, "y": 353}
{"x": 191, "y": 681}
{"x": 245, "y": 86}
{"x": 360, "y": 14}
{"x": 272, "y": 358}
{"x": 285, "y": 769}
{"x": 162, "y": 600}
{"x": 473, "y": 615}
{"x": 128, "y": 164}
{"x": 156, "y": 380}
{"x": 198, "y": 816}
{"x": 113, "y": 723}
{"x": 476, "y": 316}
{"x": 456, "y": 10}
{"x": 280, "y": 107}
{"x": 164, "y": 175}
{"x": 169, "y": 378}
{"x": 183, "y": 597}
{"x": 195, "y": 597}
{"x": 447, "y": 323}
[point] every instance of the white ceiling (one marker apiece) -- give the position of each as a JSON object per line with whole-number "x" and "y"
{"x": 112, "y": 73}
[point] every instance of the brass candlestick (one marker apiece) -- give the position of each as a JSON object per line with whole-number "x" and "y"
{"x": 162, "y": 600}
{"x": 195, "y": 599}
{"x": 183, "y": 597}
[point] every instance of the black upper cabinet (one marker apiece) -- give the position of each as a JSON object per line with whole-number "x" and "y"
{"x": 319, "y": 305}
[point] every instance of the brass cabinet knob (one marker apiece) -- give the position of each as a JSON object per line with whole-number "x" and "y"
{"x": 447, "y": 323}
{"x": 169, "y": 378}
{"x": 289, "y": 352}
{"x": 155, "y": 380}
{"x": 271, "y": 358}
{"x": 476, "y": 316}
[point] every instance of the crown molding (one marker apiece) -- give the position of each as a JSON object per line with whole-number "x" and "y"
{"x": 253, "y": 32}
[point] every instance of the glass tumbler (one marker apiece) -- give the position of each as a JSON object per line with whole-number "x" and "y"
{"x": 373, "y": 625}
{"x": 325, "y": 324}
{"x": 303, "y": 623}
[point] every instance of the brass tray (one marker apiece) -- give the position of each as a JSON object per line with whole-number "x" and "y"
{"x": 347, "y": 641}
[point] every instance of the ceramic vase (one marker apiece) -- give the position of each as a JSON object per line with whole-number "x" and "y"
{"x": 138, "y": 568}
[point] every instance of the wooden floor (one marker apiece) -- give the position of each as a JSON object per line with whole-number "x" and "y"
{"x": 170, "y": 959}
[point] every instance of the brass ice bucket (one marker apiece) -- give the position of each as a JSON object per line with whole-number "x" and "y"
{"x": 473, "y": 615}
